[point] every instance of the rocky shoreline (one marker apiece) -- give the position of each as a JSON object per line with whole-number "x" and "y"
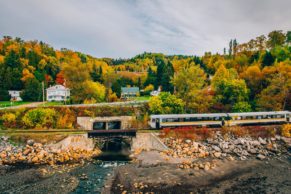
{"x": 38, "y": 154}
{"x": 225, "y": 147}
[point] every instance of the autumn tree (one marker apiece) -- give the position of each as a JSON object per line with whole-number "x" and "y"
{"x": 189, "y": 83}
{"x": 76, "y": 74}
{"x": 93, "y": 91}
{"x": 275, "y": 96}
{"x": 254, "y": 80}
{"x": 60, "y": 79}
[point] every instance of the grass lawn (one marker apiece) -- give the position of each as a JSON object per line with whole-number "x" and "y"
{"x": 52, "y": 103}
{"x": 142, "y": 98}
{"x": 8, "y": 103}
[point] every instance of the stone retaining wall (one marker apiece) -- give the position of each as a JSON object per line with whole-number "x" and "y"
{"x": 148, "y": 141}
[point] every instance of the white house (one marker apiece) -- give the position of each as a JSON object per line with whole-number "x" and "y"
{"x": 15, "y": 95}
{"x": 57, "y": 93}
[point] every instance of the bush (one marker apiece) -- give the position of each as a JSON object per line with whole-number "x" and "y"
{"x": 40, "y": 118}
{"x": 66, "y": 120}
{"x": 9, "y": 119}
{"x": 188, "y": 132}
{"x": 286, "y": 130}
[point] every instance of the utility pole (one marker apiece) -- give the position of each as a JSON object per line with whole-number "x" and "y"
{"x": 42, "y": 83}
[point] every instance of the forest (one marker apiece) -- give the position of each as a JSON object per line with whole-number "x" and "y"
{"x": 250, "y": 76}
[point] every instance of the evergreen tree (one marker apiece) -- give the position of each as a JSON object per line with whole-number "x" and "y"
{"x": 96, "y": 74}
{"x": 230, "y": 48}
{"x": 32, "y": 90}
{"x": 12, "y": 60}
{"x": 151, "y": 78}
{"x": 288, "y": 37}
{"x": 268, "y": 59}
{"x": 234, "y": 47}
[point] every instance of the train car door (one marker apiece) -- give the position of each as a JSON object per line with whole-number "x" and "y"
{"x": 158, "y": 124}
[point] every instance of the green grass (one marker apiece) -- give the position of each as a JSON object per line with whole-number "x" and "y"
{"x": 142, "y": 98}
{"x": 8, "y": 103}
{"x": 52, "y": 104}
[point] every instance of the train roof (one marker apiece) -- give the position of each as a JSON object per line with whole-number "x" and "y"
{"x": 258, "y": 113}
{"x": 219, "y": 114}
{"x": 189, "y": 115}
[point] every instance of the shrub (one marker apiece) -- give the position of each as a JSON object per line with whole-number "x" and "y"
{"x": 237, "y": 131}
{"x": 9, "y": 119}
{"x": 286, "y": 130}
{"x": 66, "y": 120}
{"x": 40, "y": 118}
{"x": 188, "y": 132}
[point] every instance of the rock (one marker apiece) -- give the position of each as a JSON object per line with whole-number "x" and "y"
{"x": 262, "y": 141}
{"x": 261, "y": 157}
{"x": 34, "y": 159}
{"x": 216, "y": 148}
{"x": 230, "y": 158}
{"x": 243, "y": 158}
{"x": 188, "y": 141}
{"x": 253, "y": 151}
{"x": 255, "y": 143}
{"x": 278, "y": 137}
{"x": 30, "y": 142}
{"x": 244, "y": 153}
{"x": 238, "y": 142}
{"x": 195, "y": 145}
{"x": 217, "y": 154}
{"x": 207, "y": 166}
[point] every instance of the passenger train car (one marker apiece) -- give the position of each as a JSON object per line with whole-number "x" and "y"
{"x": 218, "y": 119}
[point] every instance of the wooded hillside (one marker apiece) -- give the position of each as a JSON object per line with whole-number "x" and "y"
{"x": 248, "y": 76}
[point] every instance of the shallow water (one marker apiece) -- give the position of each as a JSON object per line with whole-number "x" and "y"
{"x": 96, "y": 175}
{"x": 92, "y": 175}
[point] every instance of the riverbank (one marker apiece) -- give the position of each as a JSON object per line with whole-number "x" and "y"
{"x": 252, "y": 176}
{"x": 220, "y": 164}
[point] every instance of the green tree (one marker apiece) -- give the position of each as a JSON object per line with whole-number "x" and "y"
{"x": 151, "y": 78}
{"x": 268, "y": 59}
{"x": 166, "y": 103}
{"x": 241, "y": 107}
{"x": 276, "y": 38}
{"x": 165, "y": 71}
{"x": 12, "y": 60}
{"x": 288, "y": 37}
{"x": 32, "y": 90}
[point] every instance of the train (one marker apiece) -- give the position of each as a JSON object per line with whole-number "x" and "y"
{"x": 219, "y": 119}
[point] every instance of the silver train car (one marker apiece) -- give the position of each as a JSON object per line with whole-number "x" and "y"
{"x": 218, "y": 119}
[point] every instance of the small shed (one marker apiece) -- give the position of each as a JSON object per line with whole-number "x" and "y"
{"x": 128, "y": 92}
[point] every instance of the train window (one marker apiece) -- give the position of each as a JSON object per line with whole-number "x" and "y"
{"x": 187, "y": 119}
{"x": 153, "y": 120}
